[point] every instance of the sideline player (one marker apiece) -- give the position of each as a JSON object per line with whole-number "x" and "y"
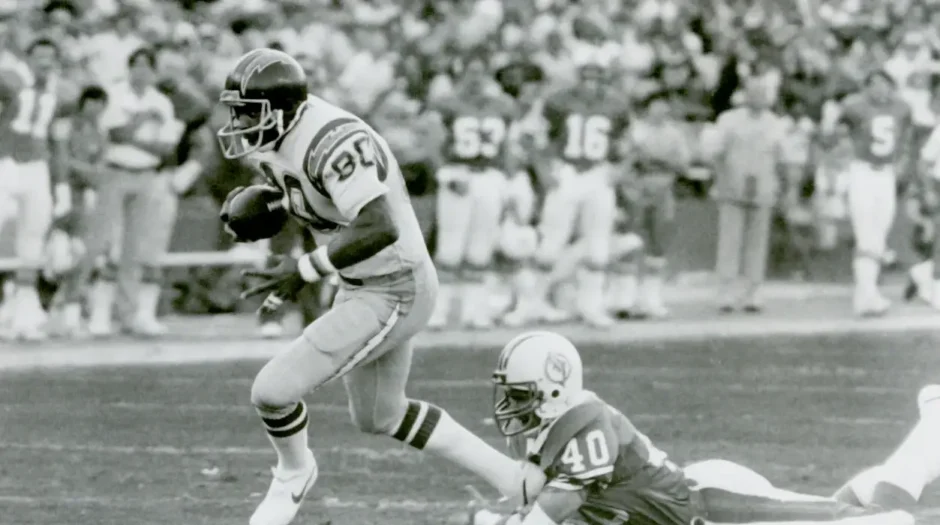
{"x": 473, "y": 183}
{"x": 31, "y": 99}
{"x": 659, "y": 153}
{"x": 599, "y": 469}
{"x": 880, "y": 126}
{"x": 585, "y": 124}
{"x": 329, "y": 170}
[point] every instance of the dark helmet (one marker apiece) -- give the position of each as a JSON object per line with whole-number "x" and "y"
{"x": 264, "y": 92}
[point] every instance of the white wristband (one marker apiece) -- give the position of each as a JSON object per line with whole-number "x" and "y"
{"x": 314, "y": 265}
{"x": 306, "y": 269}
{"x": 321, "y": 261}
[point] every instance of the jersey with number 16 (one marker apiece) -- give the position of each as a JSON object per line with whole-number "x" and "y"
{"x": 26, "y": 117}
{"x": 329, "y": 166}
{"x": 583, "y": 130}
{"x": 878, "y": 128}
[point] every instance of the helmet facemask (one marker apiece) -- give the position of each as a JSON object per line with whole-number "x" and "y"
{"x": 252, "y": 125}
{"x": 515, "y": 406}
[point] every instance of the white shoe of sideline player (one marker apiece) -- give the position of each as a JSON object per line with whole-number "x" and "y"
{"x": 285, "y": 495}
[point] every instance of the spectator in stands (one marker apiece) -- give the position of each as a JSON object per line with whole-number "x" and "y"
{"x": 135, "y": 201}
{"x": 747, "y": 153}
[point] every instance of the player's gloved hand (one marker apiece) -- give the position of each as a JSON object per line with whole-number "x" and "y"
{"x": 281, "y": 281}
{"x": 253, "y": 213}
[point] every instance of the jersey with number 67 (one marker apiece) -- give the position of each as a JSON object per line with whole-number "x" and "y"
{"x": 878, "y": 128}
{"x": 26, "y": 117}
{"x": 477, "y": 129}
{"x": 584, "y": 130}
{"x": 329, "y": 165}
{"x": 595, "y": 448}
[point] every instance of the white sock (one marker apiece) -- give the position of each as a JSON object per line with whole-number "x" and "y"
{"x": 922, "y": 275}
{"x": 591, "y": 290}
{"x": 428, "y": 427}
{"x": 623, "y": 291}
{"x": 865, "y": 270}
{"x": 287, "y": 431}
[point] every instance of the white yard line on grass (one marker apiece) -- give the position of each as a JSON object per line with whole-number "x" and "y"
{"x": 85, "y": 354}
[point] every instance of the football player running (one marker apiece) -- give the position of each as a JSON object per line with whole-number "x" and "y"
{"x": 327, "y": 169}
{"x": 585, "y": 123}
{"x": 881, "y": 131}
{"x": 600, "y": 470}
{"x": 471, "y": 196}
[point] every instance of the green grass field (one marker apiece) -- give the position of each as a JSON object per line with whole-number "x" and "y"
{"x": 180, "y": 445}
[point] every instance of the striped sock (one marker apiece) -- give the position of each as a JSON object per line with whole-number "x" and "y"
{"x": 419, "y": 423}
{"x": 287, "y": 431}
{"x": 428, "y": 427}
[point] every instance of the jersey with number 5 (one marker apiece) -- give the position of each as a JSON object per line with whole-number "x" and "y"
{"x": 329, "y": 166}
{"x": 26, "y": 117}
{"x": 584, "y": 131}
{"x": 594, "y": 447}
{"x": 878, "y": 129}
{"x": 477, "y": 129}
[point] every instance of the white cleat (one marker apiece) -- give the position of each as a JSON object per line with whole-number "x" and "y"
{"x": 285, "y": 495}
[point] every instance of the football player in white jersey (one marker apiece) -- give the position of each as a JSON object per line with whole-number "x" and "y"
{"x": 332, "y": 172}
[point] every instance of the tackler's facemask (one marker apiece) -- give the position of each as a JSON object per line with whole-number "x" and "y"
{"x": 515, "y": 406}
{"x": 252, "y": 125}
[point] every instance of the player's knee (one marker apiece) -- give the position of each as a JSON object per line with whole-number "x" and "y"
{"x": 268, "y": 394}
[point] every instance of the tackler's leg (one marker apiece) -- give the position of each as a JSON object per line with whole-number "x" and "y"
{"x": 899, "y": 482}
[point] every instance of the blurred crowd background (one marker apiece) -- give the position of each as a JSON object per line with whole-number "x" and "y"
{"x": 385, "y": 60}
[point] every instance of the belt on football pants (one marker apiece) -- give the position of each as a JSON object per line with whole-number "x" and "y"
{"x": 377, "y": 280}
{"x": 128, "y": 169}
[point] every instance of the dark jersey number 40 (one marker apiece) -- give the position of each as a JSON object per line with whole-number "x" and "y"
{"x": 347, "y": 161}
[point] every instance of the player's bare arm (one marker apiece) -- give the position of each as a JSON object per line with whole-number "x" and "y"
{"x": 354, "y": 178}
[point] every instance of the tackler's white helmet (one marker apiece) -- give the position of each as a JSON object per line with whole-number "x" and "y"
{"x": 538, "y": 378}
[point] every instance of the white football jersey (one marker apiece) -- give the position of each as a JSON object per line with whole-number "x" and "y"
{"x": 330, "y": 165}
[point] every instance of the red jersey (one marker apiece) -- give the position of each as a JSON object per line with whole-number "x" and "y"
{"x": 584, "y": 128}
{"x": 593, "y": 446}
{"x": 878, "y": 130}
{"x": 477, "y": 129}
{"x": 28, "y": 112}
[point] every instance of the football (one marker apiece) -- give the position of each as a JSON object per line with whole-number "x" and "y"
{"x": 254, "y": 213}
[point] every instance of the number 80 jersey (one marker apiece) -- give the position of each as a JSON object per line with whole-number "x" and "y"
{"x": 329, "y": 165}
{"x": 594, "y": 447}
